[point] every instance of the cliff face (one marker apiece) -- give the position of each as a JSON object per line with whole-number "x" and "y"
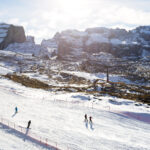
{"x": 118, "y": 42}
{"x": 11, "y": 34}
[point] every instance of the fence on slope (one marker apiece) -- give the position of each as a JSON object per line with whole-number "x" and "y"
{"x": 47, "y": 142}
{"x": 29, "y": 135}
{"x": 92, "y": 105}
{"x": 43, "y": 141}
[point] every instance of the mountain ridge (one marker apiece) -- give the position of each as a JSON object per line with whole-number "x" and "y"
{"x": 100, "y": 39}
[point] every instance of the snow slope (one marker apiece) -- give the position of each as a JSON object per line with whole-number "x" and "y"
{"x": 4, "y": 71}
{"x": 62, "y": 122}
{"x": 15, "y": 141}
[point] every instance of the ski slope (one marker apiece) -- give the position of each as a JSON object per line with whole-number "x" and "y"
{"x": 63, "y": 122}
{"x": 10, "y": 141}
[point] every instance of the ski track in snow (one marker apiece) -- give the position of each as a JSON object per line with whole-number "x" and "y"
{"x": 64, "y": 122}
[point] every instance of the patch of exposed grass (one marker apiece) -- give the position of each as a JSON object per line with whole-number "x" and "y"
{"x": 34, "y": 83}
{"x": 127, "y": 91}
{"x": 26, "y": 81}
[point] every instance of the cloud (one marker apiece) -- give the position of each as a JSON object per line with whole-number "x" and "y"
{"x": 53, "y": 21}
{"x": 43, "y": 18}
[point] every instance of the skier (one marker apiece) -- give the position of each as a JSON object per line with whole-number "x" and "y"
{"x": 91, "y": 122}
{"x": 86, "y": 120}
{"x": 90, "y": 119}
{"x": 85, "y": 116}
{"x": 29, "y": 123}
{"x": 16, "y": 110}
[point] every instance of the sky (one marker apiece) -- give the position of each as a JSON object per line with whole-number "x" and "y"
{"x": 43, "y": 18}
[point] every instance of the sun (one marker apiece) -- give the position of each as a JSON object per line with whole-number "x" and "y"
{"x": 70, "y": 2}
{"x": 74, "y": 8}
{"x": 71, "y": 5}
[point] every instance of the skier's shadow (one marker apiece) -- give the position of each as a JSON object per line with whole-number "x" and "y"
{"x": 86, "y": 124}
{"x": 14, "y": 114}
{"x": 27, "y": 130}
{"x": 91, "y": 126}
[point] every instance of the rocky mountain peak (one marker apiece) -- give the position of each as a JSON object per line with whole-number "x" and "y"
{"x": 11, "y": 34}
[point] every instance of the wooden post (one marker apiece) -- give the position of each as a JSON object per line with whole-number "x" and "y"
{"x": 107, "y": 75}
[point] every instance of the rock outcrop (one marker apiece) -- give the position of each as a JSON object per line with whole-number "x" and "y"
{"x": 118, "y": 42}
{"x": 11, "y": 34}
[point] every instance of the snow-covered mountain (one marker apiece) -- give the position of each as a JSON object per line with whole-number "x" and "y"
{"x": 27, "y": 47}
{"x": 50, "y": 46}
{"x": 30, "y": 47}
{"x": 10, "y": 34}
{"x": 93, "y": 50}
{"x": 118, "y": 42}
{"x": 125, "y": 52}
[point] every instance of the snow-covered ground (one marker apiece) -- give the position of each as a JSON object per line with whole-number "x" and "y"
{"x": 4, "y": 70}
{"x": 63, "y": 122}
{"x": 10, "y": 140}
{"x": 87, "y": 76}
{"x": 102, "y": 76}
{"x": 11, "y": 61}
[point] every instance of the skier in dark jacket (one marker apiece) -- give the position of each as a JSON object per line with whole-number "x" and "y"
{"x": 90, "y": 119}
{"x": 85, "y": 118}
{"x": 29, "y": 123}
